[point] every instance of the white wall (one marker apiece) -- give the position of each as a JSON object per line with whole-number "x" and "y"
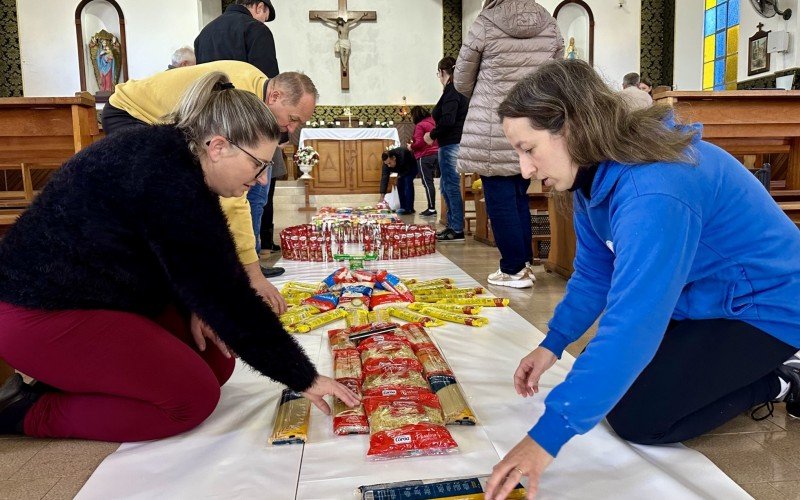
{"x": 209, "y": 10}
{"x": 392, "y": 57}
{"x": 49, "y": 51}
{"x": 616, "y": 34}
{"x": 688, "y": 58}
{"x": 748, "y": 20}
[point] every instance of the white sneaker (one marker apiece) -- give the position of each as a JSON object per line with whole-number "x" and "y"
{"x": 520, "y": 280}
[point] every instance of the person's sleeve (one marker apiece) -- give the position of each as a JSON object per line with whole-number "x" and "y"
{"x": 418, "y": 140}
{"x": 188, "y": 235}
{"x": 447, "y": 120}
{"x": 587, "y": 288}
{"x": 384, "y": 179}
{"x": 240, "y": 222}
{"x": 469, "y": 58}
{"x": 260, "y": 45}
{"x": 655, "y": 238}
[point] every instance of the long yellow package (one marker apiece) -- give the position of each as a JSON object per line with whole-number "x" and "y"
{"x": 476, "y": 301}
{"x": 426, "y": 288}
{"x": 298, "y": 286}
{"x": 435, "y": 281}
{"x": 356, "y": 317}
{"x": 413, "y": 317}
{"x": 463, "y": 319}
{"x": 291, "y": 419}
{"x": 316, "y": 321}
{"x": 437, "y": 297}
{"x": 456, "y": 308}
{"x": 454, "y": 405}
{"x": 453, "y": 292}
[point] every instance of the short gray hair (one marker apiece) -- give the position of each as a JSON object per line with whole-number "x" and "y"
{"x": 630, "y": 80}
{"x": 183, "y": 54}
{"x": 295, "y": 85}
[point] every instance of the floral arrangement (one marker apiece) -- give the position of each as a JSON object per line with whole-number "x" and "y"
{"x": 306, "y": 155}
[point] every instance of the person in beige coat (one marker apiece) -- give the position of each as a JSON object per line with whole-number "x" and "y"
{"x": 509, "y": 40}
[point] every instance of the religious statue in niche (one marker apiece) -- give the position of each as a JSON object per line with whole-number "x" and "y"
{"x": 571, "y": 52}
{"x": 105, "y": 53}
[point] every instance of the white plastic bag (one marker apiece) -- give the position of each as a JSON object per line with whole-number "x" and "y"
{"x": 393, "y": 199}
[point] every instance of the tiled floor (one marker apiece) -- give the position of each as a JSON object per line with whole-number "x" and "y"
{"x": 761, "y": 456}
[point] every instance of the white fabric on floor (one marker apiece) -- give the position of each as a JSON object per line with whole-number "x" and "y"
{"x": 228, "y": 455}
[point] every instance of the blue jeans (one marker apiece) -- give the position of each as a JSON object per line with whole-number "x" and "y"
{"x": 257, "y": 196}
{"x": 507, "y": 207}
{"x": 450, "y": 185}
{"x": 405, "y": 188}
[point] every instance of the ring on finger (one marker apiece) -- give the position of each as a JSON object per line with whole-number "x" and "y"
{"x": 519, "y": 470}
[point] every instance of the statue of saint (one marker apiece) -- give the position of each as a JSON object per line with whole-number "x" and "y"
{"x": 571, "y": 52}
{"x": 105, "y": 53}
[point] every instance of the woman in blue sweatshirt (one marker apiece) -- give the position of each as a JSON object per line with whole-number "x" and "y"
{"x": 693, "y": 266}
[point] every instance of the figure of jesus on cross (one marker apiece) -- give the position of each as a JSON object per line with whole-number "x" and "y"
{"x": 343, "y": 21}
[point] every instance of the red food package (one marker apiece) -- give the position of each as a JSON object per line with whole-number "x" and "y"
{"x": 348, "y": 420}
{"x": 346, "y": 364}
{"x": 433, "y": 363}
{"x": 323, "y": 301}
{"x": 407, "y": 427}
{"x": 340, "y": 339}
{"x": 381, "y": 299}
{"x": 415, "y": 334}
{"x": 393, "y": 379}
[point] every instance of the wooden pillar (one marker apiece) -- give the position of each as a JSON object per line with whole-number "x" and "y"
{"x": 5, "y": 371}
{"x": 562, "y": 238}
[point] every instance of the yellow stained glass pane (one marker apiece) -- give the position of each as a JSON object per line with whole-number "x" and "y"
{"x": 730, "y": 86}
{"x": 733, "y": 40}
{"x": 710, "y": 3}
{"x": 708, "y": 75}
{"x": 708, "y": 48}
{"x": 731, "y": 63}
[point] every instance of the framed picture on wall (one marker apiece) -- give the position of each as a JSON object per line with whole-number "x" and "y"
{"x": 757, "y": 55}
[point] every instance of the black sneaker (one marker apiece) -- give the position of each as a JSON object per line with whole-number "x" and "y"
{"x": 271, "y": 272}
{"x": 428, "y": 213}
{"x": 789, "y": 371}
{"x": 448, "y": 235}
{"x": 16, "y": 398}
{"x": 273, "y": 248}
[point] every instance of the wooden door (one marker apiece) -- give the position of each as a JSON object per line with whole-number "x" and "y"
{"x": 329, "y": 176}
{"x": 368, "y": 167}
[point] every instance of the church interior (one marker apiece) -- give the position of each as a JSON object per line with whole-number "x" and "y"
{"x": 732, "y": 66}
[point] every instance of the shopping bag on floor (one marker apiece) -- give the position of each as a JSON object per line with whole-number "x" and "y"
{"x": 393, "y": 199}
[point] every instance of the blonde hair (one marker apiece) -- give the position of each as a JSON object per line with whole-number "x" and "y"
{"x": 568, "y": 97}
{"x": 211, "y": 106}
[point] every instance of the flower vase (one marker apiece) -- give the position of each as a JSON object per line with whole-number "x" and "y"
{"x": 306, "y": 169}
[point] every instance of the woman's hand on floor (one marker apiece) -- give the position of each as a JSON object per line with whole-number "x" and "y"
{"x": 324, "y": 386}
{"x": 530, "y": 369}
{"x": 527, "y": 458}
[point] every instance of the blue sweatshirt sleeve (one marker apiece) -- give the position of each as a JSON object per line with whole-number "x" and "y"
{"x": 655, "y": 239}
{"x": 587, "y": 289}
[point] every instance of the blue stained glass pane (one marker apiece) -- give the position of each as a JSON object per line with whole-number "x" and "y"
{"x": 719, "y": 87}
{"x": 733, "y": 13}
{"x": 720, "y": 48}
{"x": 722, "y": 16}
{"x": 711, "y": 21}
{"x": 719, "y": 72}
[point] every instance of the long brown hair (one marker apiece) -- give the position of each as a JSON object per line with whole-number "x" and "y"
{"x": 568, "y": 97}
{"x": 447, "y": 65}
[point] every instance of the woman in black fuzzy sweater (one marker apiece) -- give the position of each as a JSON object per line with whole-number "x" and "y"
{"x": 120, "y": 286}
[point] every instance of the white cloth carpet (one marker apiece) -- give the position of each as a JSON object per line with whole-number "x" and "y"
{"x": 228, "y": 455}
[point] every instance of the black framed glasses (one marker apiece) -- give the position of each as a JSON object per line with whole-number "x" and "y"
{"x": 262, "y": 165}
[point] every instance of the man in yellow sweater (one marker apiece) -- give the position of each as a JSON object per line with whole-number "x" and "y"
{"x": 290, "y": 96}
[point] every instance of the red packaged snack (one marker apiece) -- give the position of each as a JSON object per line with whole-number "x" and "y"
{"x": 323, "y": 301}
{"x": 393, "y": 379}
{"x": 414, "y": 333}
{"x": 382, "y": 299}
{"x": 348, "y": 420}
{"x": 340, "y": 339}
{"x": 407, "y": 427}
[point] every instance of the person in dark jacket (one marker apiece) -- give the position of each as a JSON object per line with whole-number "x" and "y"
{"x": 697, "y": 323}
{"x": 240, "y": 34}
{"x": 402, "y": 161}
{"x": 449, "y": 115}
{"x": 100, "y": 296}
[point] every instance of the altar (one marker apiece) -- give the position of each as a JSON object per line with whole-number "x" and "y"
{"x": 349, "y": 158}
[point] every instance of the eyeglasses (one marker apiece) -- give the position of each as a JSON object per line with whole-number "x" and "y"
{"x": 262, "y": 165}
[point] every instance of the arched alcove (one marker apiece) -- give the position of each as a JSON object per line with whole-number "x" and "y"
{"x": 575, "y": 20}
{"x": 91, "y": 17}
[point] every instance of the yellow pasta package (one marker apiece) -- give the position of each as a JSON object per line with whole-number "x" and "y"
{"x": 462, "y": 319}
{"x": 291, "y": 419}
{"x": 436, "y": 297}
{"x": 414, "y": 317}
{"x": 454, "y": 405}
{"x": 456, "y": 308}
{"x": 477, "y": 301}
{"x": 316, "y": 321}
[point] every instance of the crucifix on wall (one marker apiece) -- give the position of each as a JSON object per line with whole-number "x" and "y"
{"x": 342, "y": 21}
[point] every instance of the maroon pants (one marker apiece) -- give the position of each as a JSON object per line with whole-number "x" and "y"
{"x": 124, "y": 377}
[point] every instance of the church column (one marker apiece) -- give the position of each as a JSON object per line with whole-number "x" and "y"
{"x": 657, "y": 41}
{"x": 451, "y": 40}
{"x": 10, "y": 66}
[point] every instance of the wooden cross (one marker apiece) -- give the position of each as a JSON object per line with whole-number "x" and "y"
{"x": 343, "y": 21}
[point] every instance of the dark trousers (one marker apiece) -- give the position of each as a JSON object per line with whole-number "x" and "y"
{"x": 267, "y": 223}
{"x": 507, "y": 207}
{"x": 114, "y": 119}
{"x": 704, "y": 373}
{"x": 405, "y": 189}
{"x": 427, "y": 167}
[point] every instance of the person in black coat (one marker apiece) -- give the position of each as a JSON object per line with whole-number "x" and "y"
{"x": 240, "y": 34}
{"x": 121, "y": 289}
{"x": 401, "y": 161}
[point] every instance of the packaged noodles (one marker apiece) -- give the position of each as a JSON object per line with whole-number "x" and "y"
{"x": 433, "y": 363}
{"x": 340, "y": 339}
{"x": 346, "y": 364}
{"x": 467, "y": 488}
{"x": 415, "y": 334}
{"x": 317, "y": 321}
{"x": 456, "y": 308}
{"x": 414, "y": 317}
{"x": 477, "y": 301}
{"x": 462, "y": 319}
{"x": 356, "y": 317}
{"x": 439, "y": 297}
{"x": 375, "y": 383}
{"x": 454, "y": 405}
{"x": 322, "y": 301}
{"x": 348, "y": 420}
{"x": 436, "y": 281}
{"x": 291, "y": 419}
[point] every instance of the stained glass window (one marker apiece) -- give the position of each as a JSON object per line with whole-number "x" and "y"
{"x": 720, "y": 44}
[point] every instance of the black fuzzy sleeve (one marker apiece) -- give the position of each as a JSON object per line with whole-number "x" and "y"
{"x": 187, "y": 231}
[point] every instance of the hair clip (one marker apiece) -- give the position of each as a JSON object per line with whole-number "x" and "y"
{"x": 226, "y": 86}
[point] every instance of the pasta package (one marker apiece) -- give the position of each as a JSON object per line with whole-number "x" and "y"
{"x": 393, "y": 284}
{"x": 357, "y": 317}
{"x": 465, "y": 488}
{"x": 414, "y": 317}
{"x": 407, "y": 427}
{"x": 317, "y": 321}
{"x": 415, "y": 334}
{"x": 393, "y": 379}
{"x": 297, "y": 286}
{"x": 363, "y": 332}
{"x": 462, "y": 319}
{"x": 436, "y": 281}
{"x": 454, "y": 405}
{"x": 379, "y": 316}
{"x": 340, "y": 339}
{"x": 477, "y": 301}
{"x": 455, "y": 292}
{"x": 433, "y": 363}
{"x": 356, "y": 296}
{"x": 322, "y": 301}
{"x": 346, "y": 364}
{"x": 456, "y": 308}
{"x": 383, "y": 299}
{"x": 291, "y": 419}
{"x": 438, "y": 297}
{"x": 348, "y": 420}
{"x": 289, "y": 318}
